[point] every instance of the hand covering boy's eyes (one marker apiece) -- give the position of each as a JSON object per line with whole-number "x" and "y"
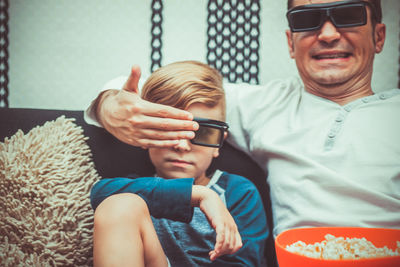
{"x": 342, "y": 14}
{"x": 210, "y": 132}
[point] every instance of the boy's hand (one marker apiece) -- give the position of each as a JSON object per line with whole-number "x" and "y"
{"x": 228, "y": 239}
{"x": 137, "y": 122}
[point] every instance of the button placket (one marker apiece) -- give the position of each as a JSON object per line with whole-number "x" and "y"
{"x": 345, "y": 110}
{"x": 336, "y": 126}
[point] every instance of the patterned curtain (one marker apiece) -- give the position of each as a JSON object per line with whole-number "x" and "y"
{"x": 156, "y": 34}
{"x": 3, "y": 53}
{"x": 233, "y": 39}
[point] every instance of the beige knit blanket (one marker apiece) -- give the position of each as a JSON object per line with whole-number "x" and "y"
{"x": 45, "y": 180}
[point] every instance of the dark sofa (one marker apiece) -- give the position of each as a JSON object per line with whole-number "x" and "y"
{"x": 114, "y": 158}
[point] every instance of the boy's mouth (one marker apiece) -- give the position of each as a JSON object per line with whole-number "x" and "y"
{"x": 179, "y": 162}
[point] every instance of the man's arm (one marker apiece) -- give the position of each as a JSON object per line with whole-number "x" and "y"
{"x": 140, "y": 123}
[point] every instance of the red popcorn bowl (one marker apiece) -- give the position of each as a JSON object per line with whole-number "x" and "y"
{"x": 380, "y": 237}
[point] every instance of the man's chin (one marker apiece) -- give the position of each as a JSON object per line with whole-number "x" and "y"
{"x": 330, "y": 79}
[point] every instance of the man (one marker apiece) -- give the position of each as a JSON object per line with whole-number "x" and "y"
{"x": 328, "y": 142}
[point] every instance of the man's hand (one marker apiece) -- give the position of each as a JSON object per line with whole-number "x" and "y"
{"x": 137, "y": 122}
{"x": 228, "y": 239}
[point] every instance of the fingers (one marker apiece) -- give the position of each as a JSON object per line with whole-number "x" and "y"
{"x": 228, "y": 241}
{"x": 141, "y": 123}
{"x": 147, "y": 138}
{"x": 159, "y": 132}
{"x": 150, "y": 143}
{"x": 220, "y": 242}
{"x": 238, "y": 243}
{"x": 133, "y": 80}
{"x": 144, "y": 113}
{"x": 162, "y": 128}
{"x": 163, "y": 111}
{"x": 213, "y": 255}
{"x": 133, "y": 105}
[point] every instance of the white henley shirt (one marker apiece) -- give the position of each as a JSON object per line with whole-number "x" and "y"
{"x": 328, "y": 165}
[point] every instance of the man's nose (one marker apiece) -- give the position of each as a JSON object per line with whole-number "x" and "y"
{"x": 328, "y": 33}
{"x": 183, "y": 145}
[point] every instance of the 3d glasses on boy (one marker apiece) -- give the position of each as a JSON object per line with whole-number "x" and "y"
{"x": 342, "y": 14}
{"x": 210, "y": 132}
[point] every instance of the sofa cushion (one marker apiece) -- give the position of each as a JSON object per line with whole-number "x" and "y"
{"x": 45, "y": 179}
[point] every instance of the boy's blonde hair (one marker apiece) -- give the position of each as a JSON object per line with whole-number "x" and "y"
{"x": 184, "y": 83}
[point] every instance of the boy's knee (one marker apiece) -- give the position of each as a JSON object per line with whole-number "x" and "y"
{"x": 120, "y": 208}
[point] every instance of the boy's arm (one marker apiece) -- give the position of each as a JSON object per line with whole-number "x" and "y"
{"x": 173, "y": 199}
{"x": 247, "y": 209}
{"x": 228, "y": 239}
{"x": 170, "y": 199}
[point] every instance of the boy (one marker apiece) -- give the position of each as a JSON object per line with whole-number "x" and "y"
{"x": 150, "y": 221}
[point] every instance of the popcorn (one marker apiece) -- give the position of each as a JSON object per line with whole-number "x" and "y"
{"x": 339, "y": 248}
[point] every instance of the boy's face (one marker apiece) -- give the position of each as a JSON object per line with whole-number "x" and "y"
{"x": 187, "y": 160}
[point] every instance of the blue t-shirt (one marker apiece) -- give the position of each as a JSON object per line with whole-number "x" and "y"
{"x": 183, "y": 231}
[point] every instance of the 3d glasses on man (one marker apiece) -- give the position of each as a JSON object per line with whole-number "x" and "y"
{"x": 342, "y": 14}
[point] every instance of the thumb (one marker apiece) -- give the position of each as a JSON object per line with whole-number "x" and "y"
{"x": 133, "y": 80}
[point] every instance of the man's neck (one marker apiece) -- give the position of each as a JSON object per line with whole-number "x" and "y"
{"x": 341, "y": 94}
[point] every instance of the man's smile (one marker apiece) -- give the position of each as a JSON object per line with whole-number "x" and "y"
{"x": 331, "y": 55}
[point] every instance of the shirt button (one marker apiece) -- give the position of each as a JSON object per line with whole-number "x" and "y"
{"x": 331, "y": 135}
{"x": 365, "y": 100}
{"x": 347, "y": 109}
{"x": 339, "y": 119}
{"x": 382, "y": 96}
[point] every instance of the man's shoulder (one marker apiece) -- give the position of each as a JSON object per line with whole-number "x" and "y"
{"x": 272, "y": 91}
{"x": 293, "y": 82}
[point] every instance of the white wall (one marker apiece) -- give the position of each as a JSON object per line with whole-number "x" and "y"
{"x": 63, "y": 51}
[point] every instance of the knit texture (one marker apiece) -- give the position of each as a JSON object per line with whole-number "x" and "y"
{"x": 45, "y": 179}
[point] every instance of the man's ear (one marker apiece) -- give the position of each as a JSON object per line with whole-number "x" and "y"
{"x": 379, "y": 37}
{"x": 289, "y": 37}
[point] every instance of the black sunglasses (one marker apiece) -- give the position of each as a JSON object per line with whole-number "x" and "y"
{"x": 342, "y": 14}
{"x": 210, "y": 132}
